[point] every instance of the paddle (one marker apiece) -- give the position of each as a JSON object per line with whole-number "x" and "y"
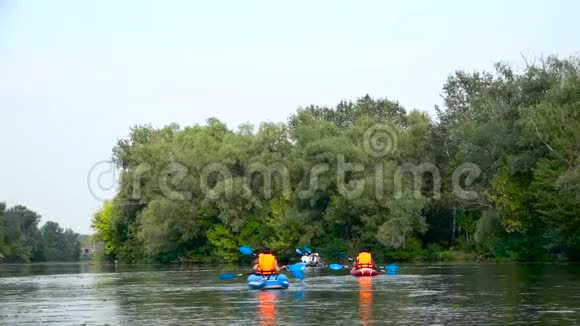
{"x": 389, "y": 269}
{"x": 297, "y": 270}
{"x": 308, "y": 250}
{"x": 229, "y": 276}
{"x": 245, "y": 250}
{"x": 345, "y": 257}
{"x": 336, "y": 267}
{"x": 302, "y": 258}
{"x": 392, "y": 268}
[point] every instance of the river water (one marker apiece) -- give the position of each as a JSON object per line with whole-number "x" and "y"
{"x": 470, "y": 294}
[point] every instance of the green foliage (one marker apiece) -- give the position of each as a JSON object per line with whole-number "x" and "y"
{"x": 413, "y": 250}
{"x": 103, "y": 226}
{"x": 224, "y": 243}
{"x": 522, "y": 247}
{"x": 58, "y": 244}
{"x": 522, "y": 130}
{"x": 447, "y": 255}
{"x": 21, "y": 241}
{"x": 198, "y": 192}
{"x": 487, "y": 236}
{"x": 432, "y": 252}
{"x": 21, "y": 234}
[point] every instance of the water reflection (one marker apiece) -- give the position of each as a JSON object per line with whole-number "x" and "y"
{"x": 267, "y": 307}
{"x": 365, "y": 303}
{"x": 141, "y": 295}
{"x": 299, "y": 293}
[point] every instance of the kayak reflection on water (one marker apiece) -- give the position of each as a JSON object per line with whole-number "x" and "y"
{"x": 267, "y": 307}
{"x": 365, "y": 304}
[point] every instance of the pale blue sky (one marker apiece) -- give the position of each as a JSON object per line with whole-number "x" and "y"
{"x": 75, "y": 75}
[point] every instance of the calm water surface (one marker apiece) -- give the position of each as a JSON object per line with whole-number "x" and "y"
{"x": 470, "y": 294}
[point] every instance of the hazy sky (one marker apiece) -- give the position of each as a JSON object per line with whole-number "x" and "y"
{"x": 75, "y": 75}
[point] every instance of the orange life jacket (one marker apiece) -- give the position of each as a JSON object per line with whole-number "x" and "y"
{"x": 267, "y": 264}
{"x": 364, "y": 260}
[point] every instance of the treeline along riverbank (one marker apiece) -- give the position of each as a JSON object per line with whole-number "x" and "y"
{"x": 22, "y": 241}
{"x": 495, "y": 175}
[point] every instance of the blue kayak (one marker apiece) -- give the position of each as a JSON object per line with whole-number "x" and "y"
{"x": 257, "y": 282}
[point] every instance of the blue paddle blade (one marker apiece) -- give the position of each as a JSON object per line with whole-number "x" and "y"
{"x": 335, "y": 267}
{"x": 297, "y": 270}
{"x": 298, "y": 251}
{"x": 228, "y": 276}
{"x": 392, "y": 268}
{"x": 298, "y": 274}
{"x": 308, "y": 250}
{"x": 245, "y": 250}
{"x": 299, "y": 267}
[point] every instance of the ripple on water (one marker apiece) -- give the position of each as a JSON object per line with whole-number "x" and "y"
{"x": 443, "y": 295}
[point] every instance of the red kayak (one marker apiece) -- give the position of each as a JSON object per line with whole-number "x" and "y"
{"x": 364, "y": 272}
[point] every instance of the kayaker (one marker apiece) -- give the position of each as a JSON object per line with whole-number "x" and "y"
{"x": 267, "y": 264}
{"x": 305, "y": 258}
{"x": 364, "y": 260}
{"x": 315, "y": 260}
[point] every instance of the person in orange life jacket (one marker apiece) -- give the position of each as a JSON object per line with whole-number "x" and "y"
{"x": 267, "y": 264}
{"x": 364, "y": 260}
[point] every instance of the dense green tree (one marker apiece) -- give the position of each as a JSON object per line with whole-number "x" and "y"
{"x": 57, "y": 244}
{"x": 522, "y": 130}
{"x": 22, "y": 241}
{"x": 497, "y": 174}
{"x": 21, "y": 235}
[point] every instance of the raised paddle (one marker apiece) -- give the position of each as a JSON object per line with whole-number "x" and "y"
{"x": 245, "y": 250}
